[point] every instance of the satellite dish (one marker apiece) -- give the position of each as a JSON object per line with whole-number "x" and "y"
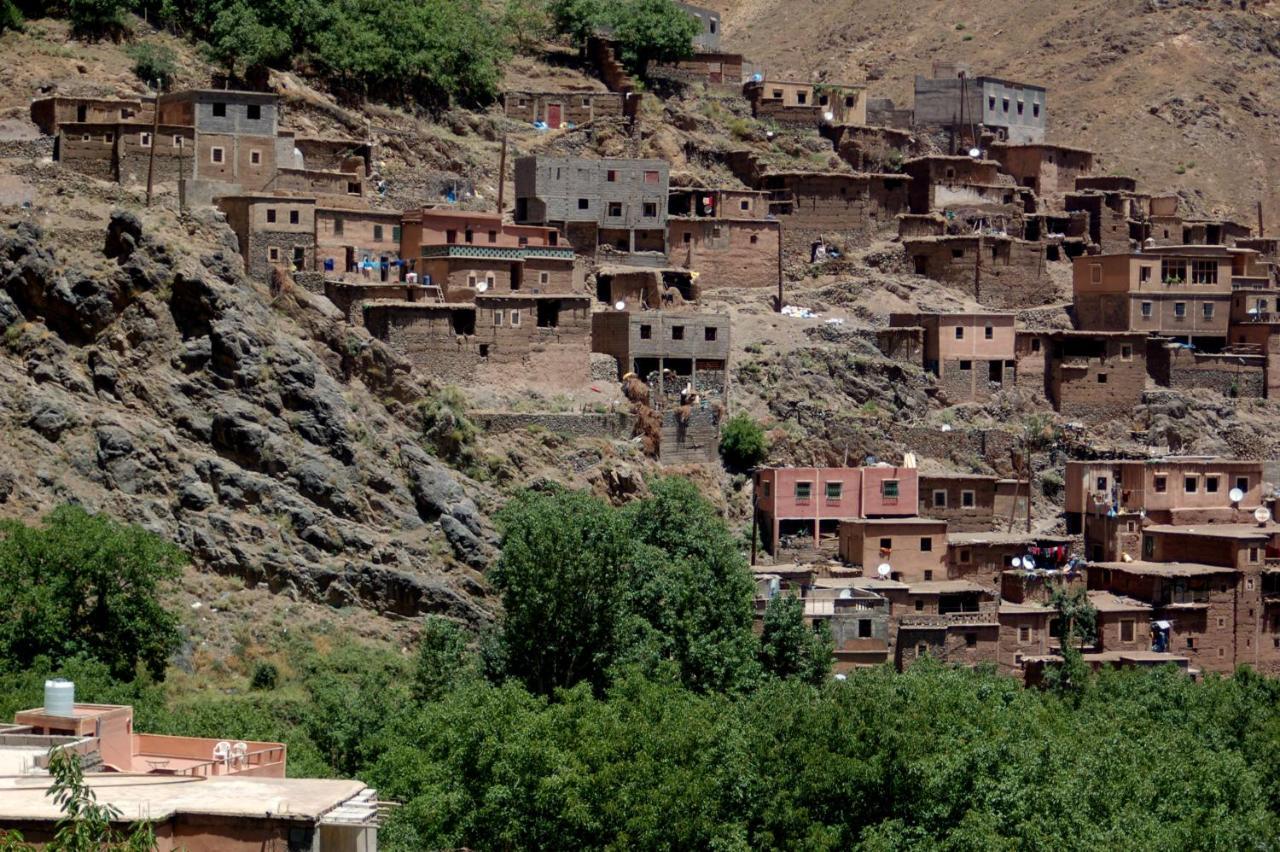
{"x": 620, "y": 305}
{"x": 481, "y": 286}
{"x": 829, "y": 116}
{"x": 1017, "y": 562}
{"x": 975, "y": 152}
{"x": 1261, "y": 514}
{"x": 884, "y": 570}
{"x": 1236, "y": 495}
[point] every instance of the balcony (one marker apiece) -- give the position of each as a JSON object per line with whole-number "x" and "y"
{"x": 195, "y": 756}
{"x": 982, "y": 618}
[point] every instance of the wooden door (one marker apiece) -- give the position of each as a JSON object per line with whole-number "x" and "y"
{"x": 555, "y": 113}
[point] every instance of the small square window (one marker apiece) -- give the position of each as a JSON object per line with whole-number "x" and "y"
{"x": 744, "y": 204}
{"x": 255, "y": 158}
{"x": 611, "y": 176}
{"x": 646, "y": 332}
{"x": 615, "y": 209}
{"x": 293, "y": 217}
{"x": 920, "y": 608}
{"x": 939, "y": 499}
{"x": 889, "y": 488}
{"x": 651, "y": 177}
{"x": 966, "y": 556}
{"x": 1102, "y": 378}
{"x": 220, "y": 110}
{"x": 835, "y": 490}
{"x": 271, "y": 215}
{"x": 515, "y": 318}
{"x": 1180, "y": 309}
{"x": 253, "y": 112}
{"x": 1147, "y": 310}
{"x": 337, "y": 227}
{"x": 966, "y": 365}
{"x": 709, "y": 333}
{"x": 216, "y": 155}
{"x": 497, "y": 317}
{"x": 989, "y": 333}
{"x": 1024, "y": 634}
{"x": 273, "y": 253}
{"x": 584, "y": 204}
{"x": 1242, "y": 482}
{"x": 928, "y": 575}
{"x": 677, "y": 332}
{"x": 544, "y": 278}
{"x": 926, "y": 544}
{"x": 886, "y": 544}
{"x": 959, "y": 332}
{"x": 1211, "y": 485}
{"x": 1035, "y": 344}
{"x": 377, "y": 233}
{"x": 968, "y": 499}
{"x": 1144, "y": 274}
{"x": 1207, "y": 307}
{"x": 177, "y": 140}
{"x": 1161, "y": 484}
{"x": 1126, "y": 352}
{"x": 688, "y": 237}
{"x": 1190, "y": 484}
{"x": 971, "y": 639}
{"x": 493, "y": 237}
{"x": 650, "y": 210}
{"x": 804, "y": 490}
{"x": 956, "y": 253}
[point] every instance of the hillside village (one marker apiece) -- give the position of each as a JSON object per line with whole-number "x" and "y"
{"x": 993, "y": 370}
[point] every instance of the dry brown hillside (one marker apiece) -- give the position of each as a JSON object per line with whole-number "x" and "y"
{"x": 1182, "y": 95}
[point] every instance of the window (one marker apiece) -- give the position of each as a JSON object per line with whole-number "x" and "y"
{"x": 584, "y": 204}
{"x": 1211, "y": 485}
{"x": 85, "y": 138}
{"x": 1253, "y": 554}
{"x": 468, "y": 236}
{"x": 646, "y": 332}
{"x": 650, "y": 210}
{"x": 957, "y": 253}
{"x": 1024, "y": 634}
{"x": 615, "y": 208}
{"x": 688, "y": 237}
{"x": 1146, "y": 310}
{"x": 271, "y": 215}
{"x": 1126, "y": 352}
{"x": 939, "y": 499}
{"x": 1207, "y": 308}
{"x": 1101, "y": 484}
{"x": 988, "y": 333}
{"x": 497, "y": 317}
{"x": 966, "y": 556}
{"x": 850, "y": 100}
{"x": 377, "y": 233}
{"x": 1035, "y": 344}
{"x": 255, "y": 158}
{"x": 273, "y": 253}
{"x": 800, "y": 97}
{"x": 293, "y": 217}
{"x": 353, "y": 187}
{"x": 1191, "y": 642}
{"x": 544, "y": 278}
{"x": 1190, "y": 484}
{"x": 611, "y": 176}
{"x": 450, "y": 237}
{"x": 215, "y": 155}
{"x": 1173, "y": 270}
{"x": 886, "y": 544}
{"x": 926, "y": 545}
{"x": 1144, "y": 274}
{"x": 864, "y": 628}
{"x": 920, "y": 608}
{"x": 1019, "y": 107}
{"x": 1180, "y": 310}
{"x": 744, "y": 204}
{"x": 1095, "y": 273}
{"x": 337, "y": 226}
{"x": 1102, "y": 378}
{"x": 834, "y": 490}
{"x": 253, "y": 112}
{"x": 804, "y": 490}
{"x": 1126, "y": 630}
{"x": 177, "y": 140}
{"x": 777, "y": 93}
{"x": 966, "y": 365}
{"x": 220, "y": 110}
{"x": 515, "y": 319}
{"x": 493, "y": 236}
{"x": 754, "y": 239}
{"x": 395, "y": 233}
{"x": 968, "y": 499}
{"x": 677, "y": 332}
{"x": 586, "y": 101}
{"x": 1035, "y": 110}
{"x": 959, "y": 332}
{"x": 1204, "y": 272}
{"x": 1161, "y": 483}
{"x": 928, "y": 575}
{"x": 1004, "y": 104}
{"x": 1242, "y": 482}
{"x": 889, "y": 488}
{"x": 991, "y": 102}
{"x": 971, "y": 639}
{"x": 471, "y": 280}
{"x": 488, "y": 280}
{"x": 651, "y": 177}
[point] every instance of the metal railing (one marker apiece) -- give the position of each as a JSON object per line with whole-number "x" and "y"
{"x": 234, "y": 765}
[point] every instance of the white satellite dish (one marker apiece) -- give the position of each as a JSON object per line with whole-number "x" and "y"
{"x": 620, "y": 306}
{"x": 481, "y": 286}
{"x": 1236, "y": 495}
{"x": 975, "y": 152}
{"x": 829, "y": 116}
{"x": 1261, "y": 514}
{"x": 884, "y": 570}
{"x": 1017, "y": 562}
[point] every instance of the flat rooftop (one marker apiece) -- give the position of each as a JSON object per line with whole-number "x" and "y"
{"x": 968, "y": 539}
{"x": 1108, "y": 602}
{"x": 161, "y": 797}
{"x": 894, "y": 522}
{"x": 943, "y": 587}
{"x": 1164, "y": 569}
{"x": 1240, "y": 532}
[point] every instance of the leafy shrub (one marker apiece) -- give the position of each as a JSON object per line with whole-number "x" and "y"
{"x": 153, "y": 62}
{"x": 447, "y": 428}
{"x": 743, "y": 444}
{"x": 265, "y": 675}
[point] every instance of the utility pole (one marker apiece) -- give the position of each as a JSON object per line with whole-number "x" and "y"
{"x": 1261, "y": 231}
{"x": 502, "y": 176}
{"x": 977, "y": 267}
{"x": 155, "y": 128}
{"x": 754, "y": 518}
{"x": 778, "y": 306}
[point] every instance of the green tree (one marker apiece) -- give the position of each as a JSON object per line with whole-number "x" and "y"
{"x": 98, "y": 18}
{"x": 743, "y": 444}
{"x": 789, "y": 647}
{"x": 242, "y": 43}
{"x": 84, "y": 585}
{"x": 442, "y": 658}
{"x": 648, "y": 31}
{"x": 153, "y": 62}
{"x": 563, "y": 576}
{"x": 527, "y": 24}
{"x": 11, "y": 17}
{"x": 577, "y": 19}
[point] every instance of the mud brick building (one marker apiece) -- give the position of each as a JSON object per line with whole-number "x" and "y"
{"x": 122, "y": 151}
{"x": 1117, "y": 213}
{"x": 350, "y": 296}
{"x": 789, "y": 102}
{"x": 940, "y": 182}
{"x": 1048, "y": 170}
{"x": 971, "y": 354}
{"x": 800, "y": 508}
{"x": 272, "y": 231}
{"x": 914, "y": 548}
{"x": 1238, "y": 373}
{"x": 954, "y": 621}
{"x": 1182, "y": 292}
{"x": 1096, "y": 374}
{"x": 51, "y": 113}
{"x": 348, "y": 237}
{"x": 560, "y": 108}
{"x": 714, "y": 68}
{"x": 954, "y": 99}
{"x": 1002, "y": 271}
{"x": 616, "y": 202}
{"x": 820, "y": 205}
{"x": 725, "y": 237}
{"x": 983, "y": 556}
{"x": 966, "y": 501}
{"x": 466, "y": 254}
{"x": 1025, "y": 632}
{"x": 506, "y": 337}
{"x": 883, "y": 112}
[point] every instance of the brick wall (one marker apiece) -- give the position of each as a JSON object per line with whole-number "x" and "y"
{"x": 617, "y": 426}
{"x": 258, "y": 261}
{"x": 1021, "y": 635}
{"x": 695, "y": 440}
{"x": 1230, "y": 375}
{"x": 1010, "y": 274}
{"x": 979, "y": 516}
{"x": 726, "y": 252}
{"x": 576, "y": 107}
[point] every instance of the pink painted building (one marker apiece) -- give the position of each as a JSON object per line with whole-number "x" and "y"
{"x": 800, "y": 508}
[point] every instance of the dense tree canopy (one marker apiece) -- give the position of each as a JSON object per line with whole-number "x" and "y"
{"x": 84, "y": 585}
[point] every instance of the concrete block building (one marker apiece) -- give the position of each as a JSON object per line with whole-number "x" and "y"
{"x": 800, "y": 508}
{"x": 709, "y": 29}
{"x": 954, "y": 99}
{"x": 621, "y": 203}
{"x": 237, "y": 146}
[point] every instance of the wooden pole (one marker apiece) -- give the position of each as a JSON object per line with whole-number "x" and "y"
{"x": 502, "y": 176}
{"x": 778, "y": 307}
{"x": 1030, "y": 474}
{"x": 977, "y": 267}
{"x": 1261, "y": 231}
{"x": 755, "y": 516}
{"x": 155, "y": 129}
